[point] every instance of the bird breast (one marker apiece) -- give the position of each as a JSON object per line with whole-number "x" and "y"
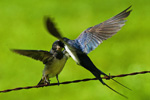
{"x": 55, "y": 67}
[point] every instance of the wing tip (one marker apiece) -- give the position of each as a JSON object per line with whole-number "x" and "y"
{"x": 126, "y": 12}
{"x": 14, "y": 50}
{"x": 50, "y": 26}
{"x": 17, "y": 51}
{"x": 128, "y": 8}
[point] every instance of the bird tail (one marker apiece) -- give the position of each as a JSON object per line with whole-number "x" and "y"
{"x": 98, "y": 74}
{"x": 87, "y": 63}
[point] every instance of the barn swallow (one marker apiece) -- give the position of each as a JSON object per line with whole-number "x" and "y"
{"x": 54, "y": 60}
{"x": 88, "y": 40}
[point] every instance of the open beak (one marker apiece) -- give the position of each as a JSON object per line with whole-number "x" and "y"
{"x": 59, "y": 48}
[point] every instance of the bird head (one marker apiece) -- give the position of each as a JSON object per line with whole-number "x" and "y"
{"x": 57, "y": 46}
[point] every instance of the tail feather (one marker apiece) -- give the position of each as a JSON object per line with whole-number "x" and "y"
{"x": 88, "y": 64}
{"x": 116, "y": 91}
{"x": 98, "y": 74}
{"x": 121, "y": 84}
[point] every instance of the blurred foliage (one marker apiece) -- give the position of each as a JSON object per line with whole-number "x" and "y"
{"x": 22, "y": 27}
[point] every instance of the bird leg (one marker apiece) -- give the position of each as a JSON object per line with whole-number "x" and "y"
{"x": 57, "y": 79}
{"x": 47, "y": 81}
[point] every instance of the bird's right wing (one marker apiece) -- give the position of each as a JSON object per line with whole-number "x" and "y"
{"x": 35, "y": 54}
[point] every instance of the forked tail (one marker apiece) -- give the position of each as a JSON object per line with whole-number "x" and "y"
{"x": 115, "y": 91}
{"x": 98, "y": 76}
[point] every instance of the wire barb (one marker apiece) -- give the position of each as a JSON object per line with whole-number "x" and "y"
{"x": 75, "y": 81}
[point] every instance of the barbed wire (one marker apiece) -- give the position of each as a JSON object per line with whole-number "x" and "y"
{"x": 75, "y": 81}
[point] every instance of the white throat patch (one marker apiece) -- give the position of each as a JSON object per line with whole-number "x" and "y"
{"x": 72, "y": 54}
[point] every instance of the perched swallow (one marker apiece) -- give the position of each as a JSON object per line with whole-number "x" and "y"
{"x": 54, "y": 60}
{"x": 89, "y": 40}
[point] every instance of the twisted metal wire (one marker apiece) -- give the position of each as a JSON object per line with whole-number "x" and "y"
{"x": 75, "y": 81}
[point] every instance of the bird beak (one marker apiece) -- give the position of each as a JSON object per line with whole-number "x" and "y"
{"x": 59, "y": 48}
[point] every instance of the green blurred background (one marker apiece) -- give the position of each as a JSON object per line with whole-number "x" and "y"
{"x": 22, "y": 27}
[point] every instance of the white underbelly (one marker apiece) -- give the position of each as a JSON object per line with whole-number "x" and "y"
{"x": 72, "y": 54}
{"x": 54, "y": 68}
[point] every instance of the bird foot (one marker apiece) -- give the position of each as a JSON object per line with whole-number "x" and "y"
{"x": 58, "y": 84}
{"x": 47, "y": 83}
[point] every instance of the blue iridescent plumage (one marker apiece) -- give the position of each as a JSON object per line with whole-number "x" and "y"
{"x": 86, "y": 43}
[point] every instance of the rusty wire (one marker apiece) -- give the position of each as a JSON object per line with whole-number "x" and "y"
{"x": 75, "y": 81}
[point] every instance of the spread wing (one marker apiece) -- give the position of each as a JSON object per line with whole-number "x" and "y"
{"x": 50, "y": 26}
{"x": 35, "y": 54}
{"x": 93, "y": 36}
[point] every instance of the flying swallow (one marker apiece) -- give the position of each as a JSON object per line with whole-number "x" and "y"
{"x": 54, "y": 60}
{"x": 88, "y": 40}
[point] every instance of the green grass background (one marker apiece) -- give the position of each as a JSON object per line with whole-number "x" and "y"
{"x": 22, "y": 27}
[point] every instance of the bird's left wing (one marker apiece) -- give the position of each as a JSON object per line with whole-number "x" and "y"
{"x": 35, "y": 54}
{"x": 93, "y": 36}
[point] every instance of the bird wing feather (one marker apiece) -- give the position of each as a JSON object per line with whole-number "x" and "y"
{"x": 35, "y": 54}
{"x": 93, "y": 36}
